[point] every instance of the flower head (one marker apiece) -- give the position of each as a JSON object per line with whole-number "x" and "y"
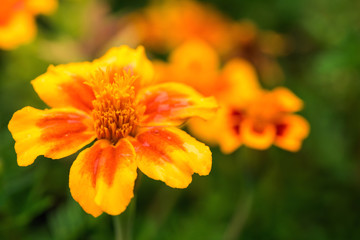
{"x": 17, "y": 20}
{"x": 164, "y": 25}
{"x": 113, "y": 100}
{"x": 248, "y": 114}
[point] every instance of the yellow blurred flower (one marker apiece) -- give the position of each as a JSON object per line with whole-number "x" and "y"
{"x": 114, "y": 100}
{"x": 17, "y": 20}
{"x": 248, "y": 114}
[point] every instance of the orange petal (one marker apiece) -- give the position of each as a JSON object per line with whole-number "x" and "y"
{"x": 238, "y": 83}
{"x": 173, "y": 103}
{"x": 291, "y": 131}
{"x": 257, "y": 136}
{"x": 54, "y": 133}
{"x": 287, "y": 100}
{"x": 63, "y": 86}
{"x": 196, "y": 51}
{"x": 220, "y": 129}
{"x": 102, "y": 177}
{"x": 196, "y": 64}
{"x": 171, "y": 155}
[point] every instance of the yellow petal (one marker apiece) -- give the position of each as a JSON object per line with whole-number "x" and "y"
{"x": 64, "y": 86}
{"x": 134, "y": 60}
{"x": 171, "y": 155}
{"x": 54, "y": 133}
{"x": 102, "y": 177}
{"x": 41, "y": 6}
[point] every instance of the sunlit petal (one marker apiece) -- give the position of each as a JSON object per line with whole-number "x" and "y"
{"x": 173, "y": 103}
{"x": 64, "y": 86}
{"x": 102, "y": 177}
{"x": 171, "y": 155}
{"x": 54, "y": 133}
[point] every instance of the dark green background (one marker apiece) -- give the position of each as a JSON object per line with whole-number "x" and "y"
{"x": 272, "y": 194}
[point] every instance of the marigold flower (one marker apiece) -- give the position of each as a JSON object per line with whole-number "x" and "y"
{"x": 253, "y": 116}
{"x": 114, "y": 101}
{"x": 248, "y": 114}
{"x": 166, "y": 24}
{"x": 17, "y": 20}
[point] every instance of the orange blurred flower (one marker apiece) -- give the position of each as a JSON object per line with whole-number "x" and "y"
{"x": 165, "y": 25}
{"x": 248, "y": 114}
{"x": 17, "y": 20}
{"x": 113, "y": 100}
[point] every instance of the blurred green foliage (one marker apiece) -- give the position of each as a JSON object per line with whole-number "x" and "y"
{"x": 272, "y": 194}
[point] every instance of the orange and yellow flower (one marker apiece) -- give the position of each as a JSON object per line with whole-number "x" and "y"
{"x": 248, "y": 114}
{"x": 17, "y": 20}
{"x": 113, "y": 100}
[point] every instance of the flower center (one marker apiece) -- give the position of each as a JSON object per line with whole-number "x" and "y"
{"x": 114, "y": 112}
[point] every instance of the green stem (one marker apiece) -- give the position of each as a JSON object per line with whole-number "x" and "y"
{"x": 240, "y": 217}
{"x": 253, "y": 170}
{"x": 123, "y": 223}
{"x": 131, "y": 212}
{"x": 117, "y": 221}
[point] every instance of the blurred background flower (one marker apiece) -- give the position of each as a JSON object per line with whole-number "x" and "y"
{"x": 309, "y": 47}
{"x": 17, "y": 20}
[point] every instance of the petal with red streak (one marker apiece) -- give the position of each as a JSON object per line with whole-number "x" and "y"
{"x": 102, "y": 177}
{"x": 54, "y": 133}
{"x": 173, "y": 103}
{"x": 223, "y": 129}
{"x": 291, "y": 131}
{"x": 64, "y": 86}
{"x": 171, "y": 155}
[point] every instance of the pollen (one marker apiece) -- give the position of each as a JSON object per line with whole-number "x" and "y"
{"x": 114, "y": 112}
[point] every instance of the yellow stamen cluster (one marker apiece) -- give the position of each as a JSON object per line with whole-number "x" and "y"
{"x": 114, "y": 110}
